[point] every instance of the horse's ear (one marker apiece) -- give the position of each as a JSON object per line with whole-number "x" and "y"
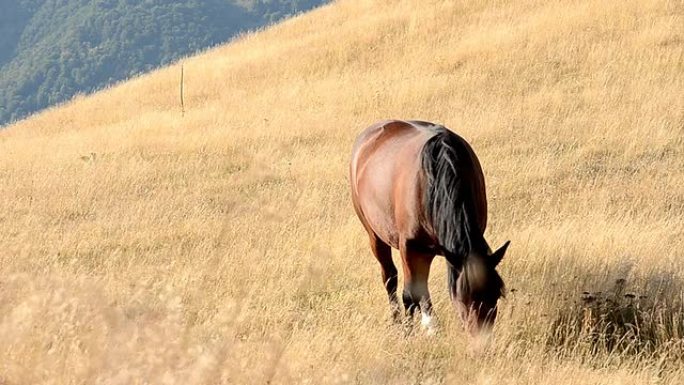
{"x": 497, "y": 256}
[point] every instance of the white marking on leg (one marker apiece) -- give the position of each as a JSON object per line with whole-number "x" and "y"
{"x": 428, "y": 324}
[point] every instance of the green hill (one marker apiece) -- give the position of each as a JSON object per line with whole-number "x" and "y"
{"x": 51, "y": 50}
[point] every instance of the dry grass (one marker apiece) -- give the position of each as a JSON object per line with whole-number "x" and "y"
{"x": 138, "y": 246}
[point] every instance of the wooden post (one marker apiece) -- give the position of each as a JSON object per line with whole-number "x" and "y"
{"x": 181, "y": 93}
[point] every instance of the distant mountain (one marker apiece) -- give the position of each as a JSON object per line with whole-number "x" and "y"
{"x": 51, "y": 50}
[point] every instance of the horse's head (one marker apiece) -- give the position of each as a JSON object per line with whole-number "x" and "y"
{"x": 478, "y": 289}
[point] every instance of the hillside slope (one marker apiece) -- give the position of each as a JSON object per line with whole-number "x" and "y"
{"x": 51, "y": 50}
{"x": 140, "y": 244}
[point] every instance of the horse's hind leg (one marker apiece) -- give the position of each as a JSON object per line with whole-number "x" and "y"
{"x": 383, "y": 253}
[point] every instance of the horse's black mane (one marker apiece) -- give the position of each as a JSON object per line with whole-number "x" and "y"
{"x": 448, "y": 200}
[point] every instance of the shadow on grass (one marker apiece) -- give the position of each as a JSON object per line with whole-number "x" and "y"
{"x": 641, "y": 318}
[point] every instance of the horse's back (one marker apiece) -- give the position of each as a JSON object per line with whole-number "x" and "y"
{"x": 388, "y": 135}
{"x": 384, "y": 175}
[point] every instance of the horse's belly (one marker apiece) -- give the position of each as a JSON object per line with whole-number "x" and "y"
{"x": 385, "y": 230}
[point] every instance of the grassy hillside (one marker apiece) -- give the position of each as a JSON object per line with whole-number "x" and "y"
{"x": 51, "y": 50}
{"x": 138, "y": 245}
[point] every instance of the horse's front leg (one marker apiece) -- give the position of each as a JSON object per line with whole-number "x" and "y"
{"x": 416, "y": 295}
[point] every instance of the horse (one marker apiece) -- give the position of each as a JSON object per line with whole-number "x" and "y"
{"x": 418, "y": 187}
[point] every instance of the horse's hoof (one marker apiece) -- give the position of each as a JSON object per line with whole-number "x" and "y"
{"x": 407, "y": 327}
{"x": 429, "y": 325}
{"x": 431, "y": 331}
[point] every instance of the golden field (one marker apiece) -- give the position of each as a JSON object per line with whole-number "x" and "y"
{"x": 142, "y": 246}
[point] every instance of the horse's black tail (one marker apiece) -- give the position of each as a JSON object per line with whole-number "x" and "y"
{"x": 448, "y": 200}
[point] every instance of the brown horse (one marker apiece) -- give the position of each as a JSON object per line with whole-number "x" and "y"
{"x": 419, "y": 188}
